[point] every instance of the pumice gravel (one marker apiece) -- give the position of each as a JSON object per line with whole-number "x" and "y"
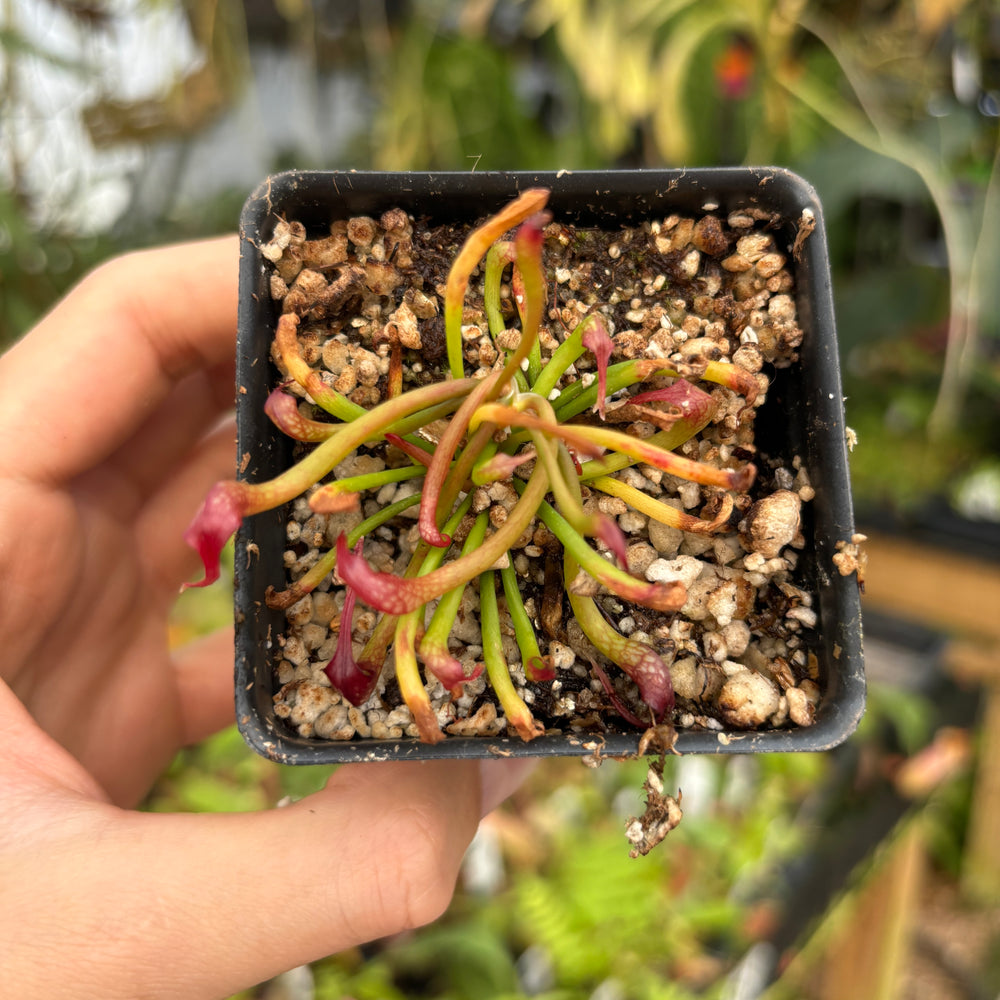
{"x": 686, "y": 291}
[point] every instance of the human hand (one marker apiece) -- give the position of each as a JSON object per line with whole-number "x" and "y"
{"x": 114, "y": 410}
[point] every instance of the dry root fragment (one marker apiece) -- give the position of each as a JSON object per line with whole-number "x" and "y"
{"x": 661, "y": 737}
{"x": 850, "y": 558}
{"x": 806, "y": 227}
{"x": 663, "y": 813}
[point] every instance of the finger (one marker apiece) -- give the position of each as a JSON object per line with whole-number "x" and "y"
{"x": 204, "y": 672}
{"x": 237, "y": 899}
{"x": 501, "y": 778}
{"x": 160, "y": 525}
{"x": 34, "y": 764}
{"x": 193, "y": 406}
{"x": 110, "y": 352}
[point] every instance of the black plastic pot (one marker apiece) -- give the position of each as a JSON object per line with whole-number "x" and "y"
{"x": 803, "y": 415}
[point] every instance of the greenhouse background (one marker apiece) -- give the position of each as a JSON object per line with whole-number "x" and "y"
{"x": 871, "y": 871}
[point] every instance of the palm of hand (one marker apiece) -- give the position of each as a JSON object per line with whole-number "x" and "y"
{"x": 93, "y": 502}
{"x": 95, "y": 492}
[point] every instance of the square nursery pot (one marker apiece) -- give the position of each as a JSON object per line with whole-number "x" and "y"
{"x": 802, "y": 420}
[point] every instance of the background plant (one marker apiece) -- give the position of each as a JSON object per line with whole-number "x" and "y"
{"x": 891, "y": 110}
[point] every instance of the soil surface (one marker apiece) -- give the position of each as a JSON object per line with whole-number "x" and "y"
{"x": 368, "y": 296}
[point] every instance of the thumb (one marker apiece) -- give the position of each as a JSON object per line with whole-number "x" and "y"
{"x": 202, "y": 906}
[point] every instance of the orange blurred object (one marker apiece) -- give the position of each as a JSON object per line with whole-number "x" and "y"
{"x": 734, "y": 69}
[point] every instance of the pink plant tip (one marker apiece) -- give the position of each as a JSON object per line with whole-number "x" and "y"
{"x": 532, "y": 231}
{"x": 283, "y": 409}
{"x": 213, "y": 525}
{"x": 439, "y": 540}
{"x": 606, "y": 530}
{"x": 450, "y": 672}
{"x": 528, "y": 241}
{"x": 540, "y": 669}
{"x": 502, "y": 466}
{"x": 619, "y": 706}
{"x": 382, "y": 591}
{"x": 652, "y": 676}
{"x": 599, "y": 343}
{"x": 355, "y": 681}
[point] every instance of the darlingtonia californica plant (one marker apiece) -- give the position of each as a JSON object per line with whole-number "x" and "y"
{"x": 528, "y": 421}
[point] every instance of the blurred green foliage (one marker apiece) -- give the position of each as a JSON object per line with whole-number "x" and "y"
{"x": 458, "y": 101}
{"x": 574, "y": 914}
{"x": 891, "y": 110}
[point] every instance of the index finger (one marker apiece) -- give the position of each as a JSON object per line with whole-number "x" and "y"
{"x": 107, "y": 355}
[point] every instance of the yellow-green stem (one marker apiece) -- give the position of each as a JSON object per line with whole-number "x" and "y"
{"x": 518, "y": 714}
{"x": 475, "y": 246}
